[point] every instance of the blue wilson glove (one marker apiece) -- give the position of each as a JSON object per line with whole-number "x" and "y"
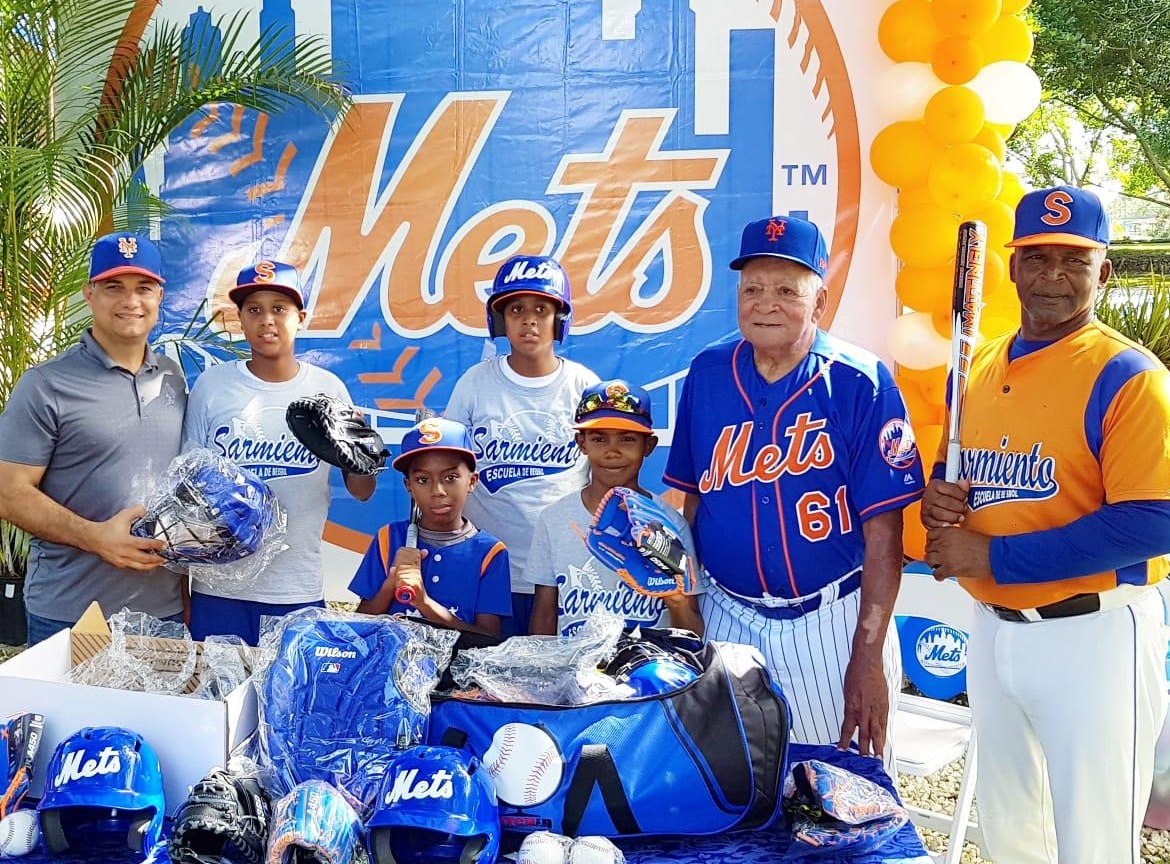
{"x": 632, "y": 535}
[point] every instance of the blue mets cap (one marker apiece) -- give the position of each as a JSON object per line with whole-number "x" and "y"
{"x": 122, "y": 252}
{"x": 434, "y": 433}
{"x": 268, "y": 276}
{"x": 1062, "y": 215}
{"x": 614, "y": 404}
{"x": 787, "y": 237}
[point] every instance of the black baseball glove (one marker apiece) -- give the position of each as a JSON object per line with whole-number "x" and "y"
{"x": 336, "y": 433}
{"x": 225, "y": 818}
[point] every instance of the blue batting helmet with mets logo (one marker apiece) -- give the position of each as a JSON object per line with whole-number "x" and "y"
{"x": 531, "y": 274}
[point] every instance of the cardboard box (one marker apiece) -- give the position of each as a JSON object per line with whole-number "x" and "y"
{"x": 190, "y": 736}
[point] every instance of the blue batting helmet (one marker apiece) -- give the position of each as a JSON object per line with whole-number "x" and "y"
{"x": 435, "y": 804}
{"x": 531, "y": 274}
{"x": 100, "y": 779}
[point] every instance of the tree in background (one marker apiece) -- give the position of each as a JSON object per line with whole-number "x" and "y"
{"x": 1109, "y": 62}
{"x": 88, "y": 90}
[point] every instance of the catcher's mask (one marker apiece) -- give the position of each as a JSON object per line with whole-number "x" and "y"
{"x": 541, "y": 275}
{"x": 435, "y": 804}
{"x": 102, "y": 780}
{"x": 650, "y": 669}
{"x": 212, "y": 516}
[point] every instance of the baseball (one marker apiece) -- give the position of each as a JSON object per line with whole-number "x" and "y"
{"x": 524, "y": 764}
{"x": 19, "y": 833}
{"x": 543, "y": 847}
{"x": 595, "y": 850}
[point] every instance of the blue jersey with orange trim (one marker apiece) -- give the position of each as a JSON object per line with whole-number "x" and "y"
{"x": 470, "y": 577}
{"x": 1050, "y": 436}
{"x": 786, "y": 473}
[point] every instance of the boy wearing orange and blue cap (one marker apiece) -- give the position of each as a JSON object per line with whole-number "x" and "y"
{"x": 458, "y": 575}
{"x": 615, "y": 431}
{"x": 238, "y": 410}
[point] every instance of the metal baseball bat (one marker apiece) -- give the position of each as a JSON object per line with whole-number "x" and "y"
{"x": 966, "y": 304}
{"x": 405, "y": 593}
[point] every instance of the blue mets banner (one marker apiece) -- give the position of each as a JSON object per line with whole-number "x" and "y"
{"x": 631, "y": 139}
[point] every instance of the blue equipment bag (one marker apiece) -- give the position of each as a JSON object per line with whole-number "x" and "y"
{"x": 707, "y": 758}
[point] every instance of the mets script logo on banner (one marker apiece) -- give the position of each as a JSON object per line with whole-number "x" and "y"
{"x": 409, "y": 786}
{"x": 1005, "y": 476}
{"x": 437, "y": 205}
{"x": 74, "y": 765}
{"x": 942, "y": 650}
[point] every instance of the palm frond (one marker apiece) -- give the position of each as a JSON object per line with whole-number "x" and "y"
{"x": 1141, "y": 312}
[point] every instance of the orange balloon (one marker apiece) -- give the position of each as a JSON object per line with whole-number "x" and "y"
{"x": 992, "y": 140}
{"x": 925, "y": 289}
{"x": 922, "y": 412}
{"x": 1011, "y": 7}
{"x": 1010, "y": 38}
{"x": 966, "y": 177}
{"x": 929, "y": 438}
{"x": 930, "y": 383}
{"x": 913, "y": 531}
{"x": 902, "y": 152}
{"x": 925, "y": 235}
{"x": 994, "y": 273}
{"x": 1000, "y": 220}
{"x": 908, "y": 196}
{"x": 1011, "y": 192}
{"x": 907, "y": 31}
{"x": 1003, "y": 304}
{"x": 954, "y": 115}
{"x": 1004, "y": 129}
{"x": 956, "y": 59}
{"x": 936, "y": 389}
{"x": 966, "y": 17}
{"x": 991, "y": 326}
{"x": 941, "y": 319}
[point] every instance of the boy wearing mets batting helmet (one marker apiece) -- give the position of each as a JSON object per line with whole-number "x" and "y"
{"x": 795, "y": 452}
{"x": 518, "y": 409}
{"x": 237, "y": 409}
{"x": 1059, "y": 526}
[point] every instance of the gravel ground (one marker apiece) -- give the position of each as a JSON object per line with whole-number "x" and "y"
{"x": 940, "y": 791}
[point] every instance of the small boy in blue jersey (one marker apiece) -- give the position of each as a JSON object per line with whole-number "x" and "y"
{"x": 458, "y": 576}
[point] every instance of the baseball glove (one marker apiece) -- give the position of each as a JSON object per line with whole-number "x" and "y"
{"x": 225, "y": 818}
{"x": 632, "y": 535}
{"x": 336, "y": 433}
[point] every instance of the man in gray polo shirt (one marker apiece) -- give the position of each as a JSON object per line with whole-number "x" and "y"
{"x": 80, "y": 435}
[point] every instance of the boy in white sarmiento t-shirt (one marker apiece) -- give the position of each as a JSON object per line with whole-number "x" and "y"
{"x": 238, "y": 409}
{"x": 518, "y": 409}
{"x": 615, "y": 431}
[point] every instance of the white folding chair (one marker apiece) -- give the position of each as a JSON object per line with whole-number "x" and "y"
{"x": 931, "y": 733}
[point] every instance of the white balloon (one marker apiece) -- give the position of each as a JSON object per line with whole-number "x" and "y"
{"x": 904, "y": 90}
{"x": 915, "y": 343}
{"x": 1010, "y": 91}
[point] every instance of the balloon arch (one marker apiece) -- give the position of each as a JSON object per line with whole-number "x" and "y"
{"x": 959, "y": 85}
